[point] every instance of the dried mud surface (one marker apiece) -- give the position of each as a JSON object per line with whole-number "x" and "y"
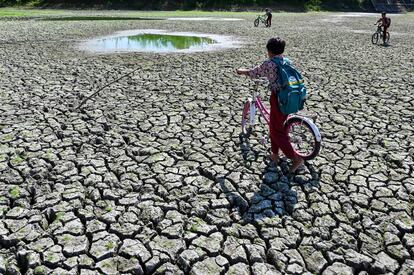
{"x": 152, "y": 177}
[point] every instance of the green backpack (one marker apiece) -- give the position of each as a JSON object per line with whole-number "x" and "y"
{"x": 292, "y": 93}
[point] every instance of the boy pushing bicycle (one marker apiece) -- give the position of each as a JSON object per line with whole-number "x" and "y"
{"x": 385, "y": 23}
{"x": 278, "y": 134}
{"x": 269, "y": 17}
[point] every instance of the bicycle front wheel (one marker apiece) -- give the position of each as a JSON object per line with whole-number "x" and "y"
{"x": 374, "y": 38}
{"x": 304, "y": 137}
{"x": 245, "y": 123}
{"x": 256, "y": 22}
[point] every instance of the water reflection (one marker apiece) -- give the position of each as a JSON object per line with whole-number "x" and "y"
{"x": 153, "y": 42}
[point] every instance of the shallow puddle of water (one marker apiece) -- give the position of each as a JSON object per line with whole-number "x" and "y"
{"x": 157, "y": 41}
{"x": 153, "y": 42}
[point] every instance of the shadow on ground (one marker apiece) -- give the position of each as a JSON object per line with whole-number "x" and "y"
{"x": 277, "y": 195}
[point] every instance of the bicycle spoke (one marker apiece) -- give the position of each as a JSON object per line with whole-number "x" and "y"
{"x": 302, "y": 139}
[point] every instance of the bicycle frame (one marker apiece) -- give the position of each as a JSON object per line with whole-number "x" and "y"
{"x": 296, "y": 135}
{"x": 256, "y": 103}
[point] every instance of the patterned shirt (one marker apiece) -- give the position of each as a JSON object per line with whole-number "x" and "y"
{"x": 267, "y": 69}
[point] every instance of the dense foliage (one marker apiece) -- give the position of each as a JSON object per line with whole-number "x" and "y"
{"x": 190, "y": 4}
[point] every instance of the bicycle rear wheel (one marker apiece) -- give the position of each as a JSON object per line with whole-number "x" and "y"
{"x": 304, "y": 137}
{"x": 256, "y": 22}
{"x": 374, "y": 38}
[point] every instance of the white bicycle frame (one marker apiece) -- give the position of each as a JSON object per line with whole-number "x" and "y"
{"x": 256, "y": 103}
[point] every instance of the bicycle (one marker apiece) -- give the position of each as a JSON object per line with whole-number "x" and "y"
{"x": 262, "y": 19}
{"x": 303, "y": 133}
{"x": 378, "y": 34}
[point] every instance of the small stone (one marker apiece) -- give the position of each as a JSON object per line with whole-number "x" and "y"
{"x": 338, "y": 269}
{"x": 134, "y": 248}
{"x": 207, "y": 266}
{"x": 108, "y": 266}
{"x": 104, "y": 247}
{"x": 385, "y": 263}
{"x": 130, "y": 266}
{"x": 238, "y": 269}
{"x": 73, "y": 245}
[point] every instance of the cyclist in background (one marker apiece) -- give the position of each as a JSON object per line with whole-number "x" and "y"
{"x": 385, "y": 23}
{"x": 269, "y": 17}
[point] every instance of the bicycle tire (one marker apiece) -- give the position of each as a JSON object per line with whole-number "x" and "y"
{"x": 294, "y": 139}
{"x": 245, "y": 127}
{"x": 374, "y": 38}
{"x": 256, "y": 22}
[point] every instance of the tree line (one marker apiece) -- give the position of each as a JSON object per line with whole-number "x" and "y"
{"x": 192, "y": 4}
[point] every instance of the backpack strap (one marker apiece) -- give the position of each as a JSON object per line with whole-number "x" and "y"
{"x": 280, "y": 60}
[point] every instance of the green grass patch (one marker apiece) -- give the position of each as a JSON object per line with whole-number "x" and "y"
{"x": 195, "y": 224}
{"x": 194, "y": 228}
{"x": 24, "y": 12}
{"x": 39, "y": 270}
{"x": 194, "y": 13}
{"x": 98, "y": 18}
{"x": 6, "y": 138}
{"x": 313, "y": 5}
{"x": 3, "y": 156}
{"x": 49, "y": 154}
{"x": 51, "y": 258}
{"x": 18, "y": 159}
{"x": 59, "y": 216}
{"x": 3, "y": 208}
{"x": 14, "y": 192}
{"x": 73, "y": 15}
{"x": 67, "y": 238}
{"x": 109, "y": 245}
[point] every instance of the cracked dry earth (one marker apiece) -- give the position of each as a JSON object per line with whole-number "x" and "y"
{"x": 151, "y": 176}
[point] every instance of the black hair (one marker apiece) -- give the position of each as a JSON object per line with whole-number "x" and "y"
{"x": 383, "y": 12}
{"x": 276, "y": 45}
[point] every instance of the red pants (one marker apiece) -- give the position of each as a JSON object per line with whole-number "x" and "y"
{"x": 279, "y": 138}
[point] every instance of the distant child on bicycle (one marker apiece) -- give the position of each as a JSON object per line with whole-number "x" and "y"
{"x": 269, "y": 17}
{"x": 385, "y": 23}
{"x": 279, "y": 138}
